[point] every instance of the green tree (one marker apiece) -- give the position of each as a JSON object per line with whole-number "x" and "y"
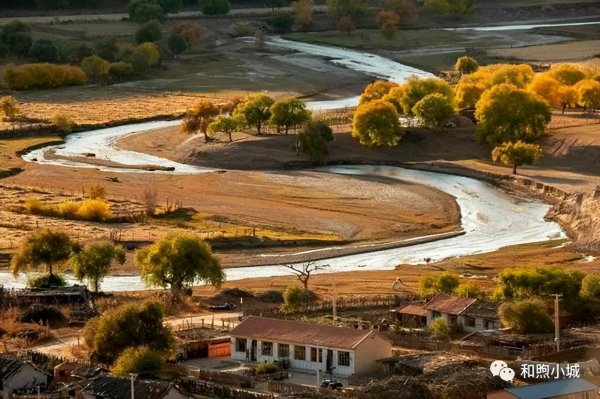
{"x": 446, "y": 282}
{"x": 376, "y": 90}
{"x": 151, "y": 52}
{"x": 281, "y": 22}
{"x": 590, "y": 287}
{"x": 466, "y": 65}
{"x": 177, "y": 44}
{"x": 128, "y": 326}
{"x": 427, "y": 286}
{"x": 288, "y": 113}
{"x": 177, "y": 261}
{"x": 95, "y": 66}
{"x": 469, "y": 289}
{"x": 516, "y": 284}
{"x": 170, "y": 6}
{"x": 145, "y": 10}
{"x": 416, "y": 89}
{"x": 44, "y": 50}
{"x": 294, "y": 298}
{"x": 506, "y": 113}
{"x": 48, "y": 248}
{"x": 149, "y": 32}
{"x": 108, "y": 49}
{"x": 225, "y": 124}
{"x": 94, "y": 262}
{"x": 588, "y": 93}
{"x": 9, "y": 108}
{"x": 16, "y": 35}
{"x": 440, "y": 328}
{"x": 517, "y": 154}
{"x": 313, "y": 139}
{"x": 215, "y": 7}
{"x": 140, "y": 360}
{"x": 255, "y": 111}
{"x": 526, "y": 317}
{"x": 376, "y": 123}
{"x": 433, "y": 111}
{"x": 346, "y": 8}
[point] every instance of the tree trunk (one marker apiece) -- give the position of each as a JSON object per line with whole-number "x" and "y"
{"x": 95, "y": 284}
{"x": 564, "y": 106}
{"x": 49, "y": 269}
{"x": 258, "y": 126}
{"x": 514, "y": 169}
{"x": 286, "y": 129}
{"x": 230, "y": 139}
{"x": 206, "y": 138}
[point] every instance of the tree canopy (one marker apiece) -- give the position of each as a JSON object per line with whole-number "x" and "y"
{"x": 567, "y": 74}
{"x": 289, "y": 112}
{"x": 416, "y": 88}
{"x": 506, "y": 113}
{"x": 49, "y": 248}
{"x": 255, "y": 111}
{"x": 199, "y": 118}
{"x": 467, "y": 94}
{"x": 225, "y": 124}
{"x": 588, "y": 93}
{"x": 94, "y": 262}
{"x": 517, "y": 154}
{"x": 128, "y": 326}
{"x": 140, "y": 360}
{"x": 526, "y": 317}
{"x": 433, "y": 110}
{"x": 313, "y": 139}
{"x": 376, "y": 123}
{"x": 466, "y": 65}
{"x": 376, "y": 90}
{"x": 177, "y": 261}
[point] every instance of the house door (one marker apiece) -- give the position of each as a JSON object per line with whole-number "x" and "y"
{"x": 253, "y": 351}
{"x": 329, "y": 360}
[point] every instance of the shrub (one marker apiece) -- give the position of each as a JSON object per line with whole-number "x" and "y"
{"x": 590, "y": 287}
{"x": 177, "y": 44}
{"x": 95, "y": 66}
{"x": 346, "y": 25}
{"x": 8, "y": 108}
{"x": 145, "y": 10}
{"x": 108, "y": 49}
{"x": 149, "y": 32}
{"x": 151, "y": 51}
{"x": 44, "y": 50}
{"x": 95, "y": 210}
{"x": 240, "y": 29}
{"x": 35, "y": 207}
{"x": 469, "y": 289}
{"x": 440, "y": 328}
{"x": 62, "y": 121}
{"x": 48, "y": 315}
{"x": 96, "y": 191}
{"x": 281, "y": 22}
{"x": 43, "y": 76}
{"x": 46, "y": 281}
{"x": 526, "y": 317}
{"x": 120, "y": 71}
{"x": 140, "y": 360}
{"x": 68, "y": 209}
{"x": 266, "y": 368}
{"x": 215, "y": 7}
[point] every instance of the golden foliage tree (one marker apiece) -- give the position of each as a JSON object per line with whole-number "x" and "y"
{"x": 376, "y": 123}
{"x": 517, "y": 154}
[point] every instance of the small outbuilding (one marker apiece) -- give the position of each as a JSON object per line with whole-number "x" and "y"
{"x": 18, "y": 376}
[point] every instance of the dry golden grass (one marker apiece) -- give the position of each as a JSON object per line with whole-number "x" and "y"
{"x": 10, "y": 147}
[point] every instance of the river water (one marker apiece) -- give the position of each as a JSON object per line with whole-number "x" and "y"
{"x": 490, "y": 217}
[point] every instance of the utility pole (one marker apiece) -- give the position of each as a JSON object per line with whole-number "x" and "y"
{"x": 132, "y": 376}
{"x": 318, "y": 367}
{"x": 557, "y": 320}
{"x": 333, "y": 282}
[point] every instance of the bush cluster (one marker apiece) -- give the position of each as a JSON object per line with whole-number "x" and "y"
{"x": 96, "y": 210}
{"x": 43, "y": 76}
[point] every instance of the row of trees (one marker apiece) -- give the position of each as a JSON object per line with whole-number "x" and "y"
{"x": 175, "y": 261}
{"x": 512, "y": 105}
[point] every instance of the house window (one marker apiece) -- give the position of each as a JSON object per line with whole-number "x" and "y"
{"x": 267, "y": 348}
{"x": 343, "y": 358}
{"x": 240, "y": 345}
{"x": 470, "y": 321}
{"x": 283, "y": 350}
{"x": 300, "y": 352}
{"x": 313, "y": 355}
{"x": 435, "y": 315}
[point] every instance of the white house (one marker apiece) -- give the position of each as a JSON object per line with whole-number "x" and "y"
{"x": 17, "y": 375}
{"x": 343, "y": 351}
{"x": 469, "y": 314}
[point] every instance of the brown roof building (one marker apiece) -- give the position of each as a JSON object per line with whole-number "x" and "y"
{"x": 469, "y": 314}
{"x": 344, "y": 351}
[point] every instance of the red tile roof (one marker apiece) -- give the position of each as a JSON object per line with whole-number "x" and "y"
{"x": 414, "y": 310}
{"x": 300, "y": 333}
{"x": 449, "y": 304}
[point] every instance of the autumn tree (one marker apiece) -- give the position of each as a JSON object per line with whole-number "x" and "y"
{"x": 567, "y": 74}
{"x": 517, "y": 75}
{"x": 313, "y": 139}
{"x": 517, "y": 154}
{"x": 288, "y": 113}
{"x": 256, "y": 111}
{"x": 191, "y": 32}
{"x": 469, "y": 289}
{"x": 433, "y": 110}
{"x": 447, "y": 7}
{"x": 304, "y": 270}
{"x": 588, "y": 93}
{"x": 546, "y": 87}
{"x": 526, "y": 317}
{"x": 177, "y": 261}
{"x": 406, "y": 9}
{"x": 388, "y": 21}
{"x": 506, "y": 113}
{"x": 346, "y": 8}
{"x": 199, "y": 118}
{"x": 345, "y": 25}
{"x": 376, "y": 123}
{"x": 9, "y": 108}
{"x": 394, "y": 97}
{"x": 225, "y": 124}
{"x": 445, "y": 282}
{"x": 94, "y": 261}
{"x": 467, "y": 94}
{"x": 141, "y": 360}
{"x": 466, "y": 65}
{"x": 567, "y": 96}
{"x": 95, "y": 66}
{"x": 416, "y": 88}
{"x": 128, "y": 326}
{"x": 303, "y": 13}
{"x": 590, "y": 287}
{"x": 376, "y": 90}
{"x": 48, "y": 248}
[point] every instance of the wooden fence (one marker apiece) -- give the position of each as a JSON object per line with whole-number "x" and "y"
{"x": 221, "y": 377}
{"x": 199, "y": 387}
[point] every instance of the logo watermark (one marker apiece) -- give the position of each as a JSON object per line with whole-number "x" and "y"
{"x": 535, "y": 370}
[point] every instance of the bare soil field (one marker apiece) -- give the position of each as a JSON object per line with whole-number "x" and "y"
{"x": 552, "y": 52}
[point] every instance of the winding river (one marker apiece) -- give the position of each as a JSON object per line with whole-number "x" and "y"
{"x": 490, "y": 217}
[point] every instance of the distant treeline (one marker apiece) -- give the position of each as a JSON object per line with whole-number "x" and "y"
{"x": 99, "y": 4}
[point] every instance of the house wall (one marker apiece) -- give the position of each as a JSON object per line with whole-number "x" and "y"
{"x": 371, "y": 349}
{"x": 480, "y": 324}
{"x": 27, "y": 377}
{"x": 342, "y": 371}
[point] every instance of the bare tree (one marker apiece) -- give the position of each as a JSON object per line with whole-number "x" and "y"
{"x": 150, "y": 201}
{"x": 304, "y": 270}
